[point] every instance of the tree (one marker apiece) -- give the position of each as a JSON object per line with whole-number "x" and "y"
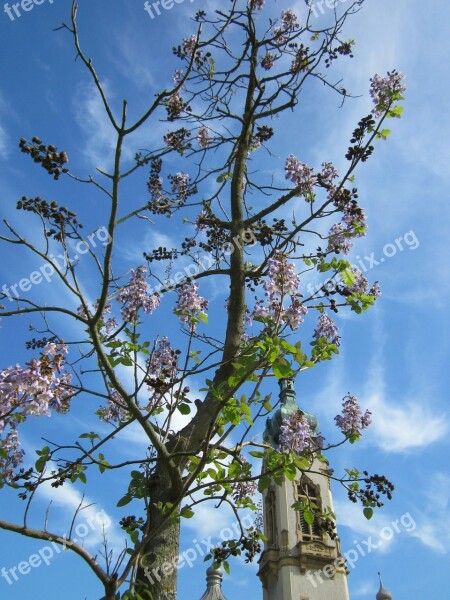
{"x": 241, "y": 71}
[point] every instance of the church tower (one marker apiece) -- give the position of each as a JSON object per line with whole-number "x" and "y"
{"x": 299, "y": 561}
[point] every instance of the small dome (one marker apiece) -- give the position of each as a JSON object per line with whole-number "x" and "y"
{"x": 213, "y": 585}
{"x": 383, "y": 594}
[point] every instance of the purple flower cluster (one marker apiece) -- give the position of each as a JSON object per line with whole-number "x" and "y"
{"x": 329, "y": 173}
{"x": 282, "y": 281}
{"x": 155, "y": 187}
{"x": 177, "y": 76}
{"x": 33, "y": 390}
{"x": 163, "y": 362}
{"x": 268, "y": 61}
{"x": 296, "y": 434}
{"x": 375, "y": 290}
{"x": 11, "y": 456}
{"x": 175, "y": 106}
{"x": 360, "y": 284}
{"x": 190, "y": 305}
{"x": 175, "y": 140}
{"x": 189, "y": 45}
{"x": 116, "y": 411}
{"x": 180, "y": 184}
{"x": 294, "y": 314}
{"x": 134, "y": 296}
{"x": 326, "y": 328}
{"x": 355, "y": 218}
{"x": 199, "y": 223}
{"x": 244, "y": 489}
{"x": 204, "y": 137}
{"x": 385, "y": 90}
{"x": 289, "y": 20}
{"x": 300, "y": 174}
{"x": 339, "y": 239}
{"x": 352, "y": 421}
{"x": 255, "y": 4}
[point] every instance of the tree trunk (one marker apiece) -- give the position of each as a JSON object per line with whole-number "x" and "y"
{"x": 158, "y": 563}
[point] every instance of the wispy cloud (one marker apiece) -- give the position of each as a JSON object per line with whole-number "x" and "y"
{"x": 406, "y": 426}
{"x": 433, "y": 528}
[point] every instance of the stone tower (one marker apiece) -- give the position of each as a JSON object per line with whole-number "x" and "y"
{"x": 299, "y": 561}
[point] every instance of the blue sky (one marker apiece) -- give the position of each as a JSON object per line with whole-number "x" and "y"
{"x": 394, "y": 358}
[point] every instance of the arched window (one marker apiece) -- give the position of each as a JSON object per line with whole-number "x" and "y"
{"x": 309, "y": 494}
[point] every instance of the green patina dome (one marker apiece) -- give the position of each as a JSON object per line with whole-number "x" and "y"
{"x": 288, "y": 407}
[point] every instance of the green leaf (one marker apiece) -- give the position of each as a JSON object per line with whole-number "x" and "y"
{"x": 89, "y": 436}
{"x": 264, "y": 483}
{"x": 290, "y": 471}
{"x": 308, "y": 516}
{"x": 368, "y": 513}
{"x": 226, "y": 567}
{"x": 187, "y": 512}
{"x": 184, "y": 409}
{"x": 257, "y": 454}
{"x": 125, "y": 500}
{"x": 40, "y": 464}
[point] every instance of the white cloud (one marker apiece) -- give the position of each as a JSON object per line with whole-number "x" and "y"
{"x": 91, "y": 521}
{"x": 406, "y": 426}
{"x": 433, "y": 529}
{"x": 92, "y": 118}
{"x": 4, "y": 142}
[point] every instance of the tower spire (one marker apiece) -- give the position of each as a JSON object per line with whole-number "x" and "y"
{"x": 213, "y": 585}
{"x": 383, "y": 594}
{"x": 300, "y": 560}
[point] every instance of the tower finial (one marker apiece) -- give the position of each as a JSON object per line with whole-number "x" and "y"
{"x": 213, "y": 585}
{"x": 383, "y": 594}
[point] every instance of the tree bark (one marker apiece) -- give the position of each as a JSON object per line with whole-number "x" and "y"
{"x": 158, "y": 562}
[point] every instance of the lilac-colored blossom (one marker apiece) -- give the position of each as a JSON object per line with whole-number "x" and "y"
{"x": 360, "y": 284}
{"x": 190, "y": 305}
{"x": 329, "y": 173}
{"x": 255, "y": 4}
{"x": 282, "y": 282}
{"x": 384, "y": 90}
{"x": 289, "y": 20}
{"x": 296, "y": 434}
{"x": 30, "y": 391}
{"x": 116, "y": 411}
{"x": 244, "y": 489}
{"x": 352, "y": 421}
{"x": 300, "y": 174}
{"x": 163, "y": 362}
{"x": 204, "y": 137}
{"x": 199, "y": 223}
{"x": 326, "y": 328}
{"x": 135, "y": 296}
{"x": 180, "y": 184}
{"x": 375, "y": 290}
{"x": 339, "y": 240}
{"x": 268, "y": 61}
